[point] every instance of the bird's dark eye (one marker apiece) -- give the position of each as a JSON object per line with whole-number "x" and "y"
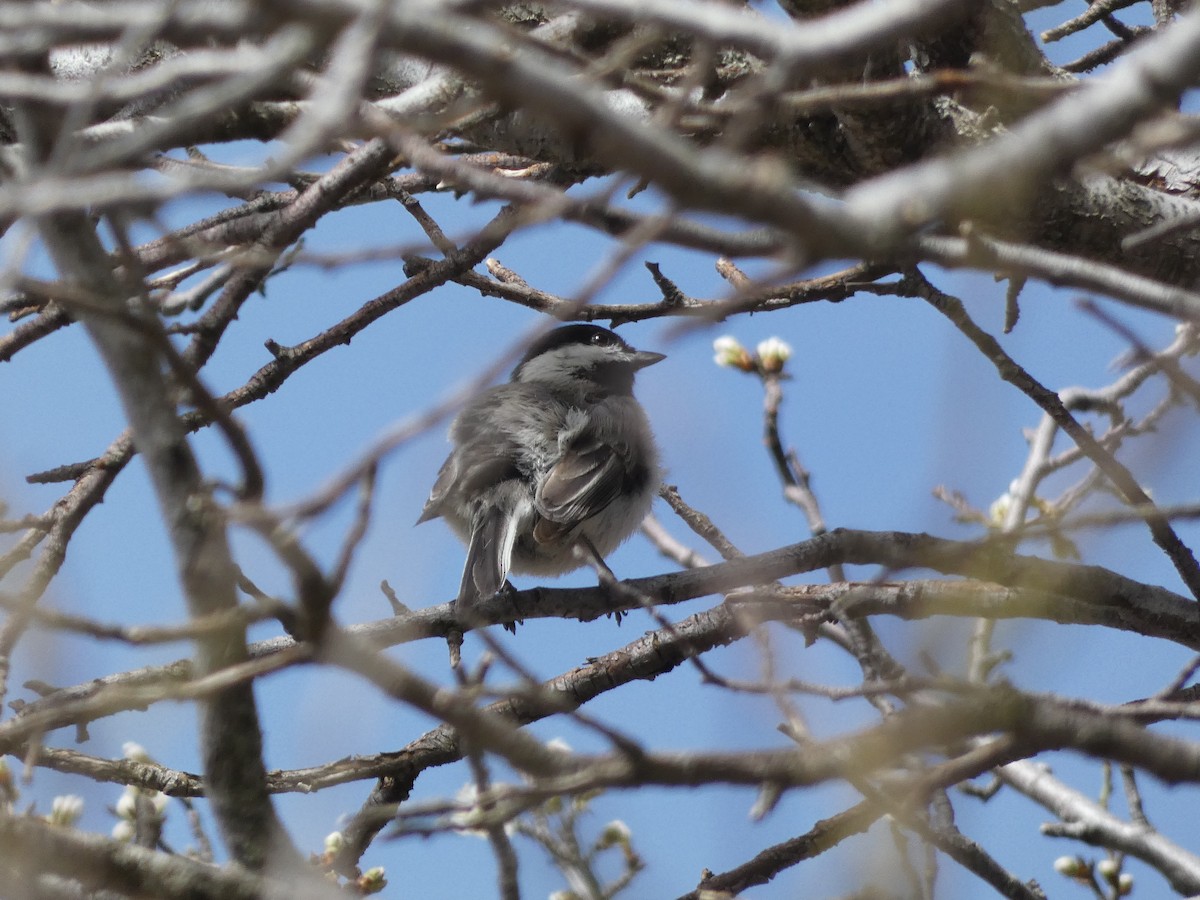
{"x": 599, "y": 338}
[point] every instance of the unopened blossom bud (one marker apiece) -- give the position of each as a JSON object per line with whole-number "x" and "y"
{"x": 616, "y": 833}
{"x": 731, "y": 354}
{"x": 127, "y": 804}
{"x": 372, "y": 881}
{"x": 65, "y": 810}
{"x": 1108, "y": 869}
{"x": 135, "y": 752}
{"x": 772, "y": 354}
{"x": 1071, "y": 866}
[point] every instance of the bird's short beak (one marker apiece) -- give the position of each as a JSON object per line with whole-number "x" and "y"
{"x": 643, "y": 358}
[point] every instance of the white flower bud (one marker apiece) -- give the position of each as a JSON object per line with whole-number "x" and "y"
{"x": 158, "y": 802}
{"x": 135, "y": 752}
{"x": 127, "y": 804}
{"x": 731, "y": 354}
{"x": 998, "y": 511}
{"x": 65, "y": 810}
{"x": 773, "y": 353}
{"x": 1071, "y": 866}
{"x": 466, "y": 820}
{"x": 615, "y": 833}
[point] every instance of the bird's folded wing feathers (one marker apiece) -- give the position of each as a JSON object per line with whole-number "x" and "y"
{"x": 437, "y": 494}
{"x": 588, "y": 477}
{"x": 467, "y": 473}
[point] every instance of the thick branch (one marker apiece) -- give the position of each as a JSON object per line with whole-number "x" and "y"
{"x": 33, "y": 847}
{"x": 232, "y": 738}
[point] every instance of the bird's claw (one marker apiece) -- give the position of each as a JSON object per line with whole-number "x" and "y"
{"x": 507, "y": 592}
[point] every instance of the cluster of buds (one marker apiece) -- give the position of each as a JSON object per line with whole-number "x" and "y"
{"x": 369, "y": 882}
{"x": 134, "y": 801}
{"x": 138, "y": 806}
{"x": 769, "y": 357}
{"x": 1108, "y": 869}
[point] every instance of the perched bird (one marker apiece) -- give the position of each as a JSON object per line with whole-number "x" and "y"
{"x": 552, "y": 470}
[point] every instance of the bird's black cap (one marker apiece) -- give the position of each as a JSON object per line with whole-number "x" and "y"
{"x": 573, "y": 334}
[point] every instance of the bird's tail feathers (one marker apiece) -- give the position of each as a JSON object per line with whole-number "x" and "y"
{"x": 489, "y": 556}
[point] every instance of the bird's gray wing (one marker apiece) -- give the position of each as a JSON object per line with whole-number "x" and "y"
{"x": 588, "y": 477}
{"x": 466, "y": 473}
{"x": 441, "y": 488}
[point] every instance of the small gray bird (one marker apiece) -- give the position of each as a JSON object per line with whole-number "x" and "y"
{"x": 553, "y": 469}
